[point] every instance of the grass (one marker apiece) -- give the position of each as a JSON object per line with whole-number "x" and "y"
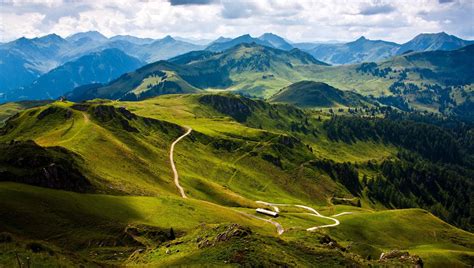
{"x": 222, "y": 170}
{"x": 414, "y": 230}
{"x": 11, "y": 108}
{"x": 83, "y": 222}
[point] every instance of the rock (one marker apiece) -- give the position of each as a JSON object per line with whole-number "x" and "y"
{"x": 231, "y": 231}
{"x": 402, "y": 256}
{"x": 168, "y": 251}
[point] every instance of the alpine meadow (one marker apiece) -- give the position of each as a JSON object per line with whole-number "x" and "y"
{"x": 218, "y": 133}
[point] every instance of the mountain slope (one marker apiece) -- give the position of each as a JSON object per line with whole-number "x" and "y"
{"x": 132, "y": 39}
{"x": 151, "y": 80}
{"x": 91, "y": 36}
{"x": 43, "y": 53}
{"x": 16, "y": 72}
{"x": 310, "y": 94}
{"x": 259, "y": 70}
{"x": 435, "y": 81}
{"x": 100, "y": 67}
{"x": 359, "y": 50}
{"x": 365, "y": 50}
{"x": 236, "y": 68}
{"x": 435, "y": 41}
{"x": 163, "y": 49}
{"x": 23, "y": 60}
{"x": 276, "y": 41}
{"x": 225, "y": 44}
{"x": 240, "y": 150}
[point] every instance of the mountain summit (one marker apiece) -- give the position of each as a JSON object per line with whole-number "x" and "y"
{"x": 433, "y": 41}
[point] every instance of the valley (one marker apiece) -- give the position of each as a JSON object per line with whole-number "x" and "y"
{"x": 223, "y": 166}
{"x": 205, "y": 133}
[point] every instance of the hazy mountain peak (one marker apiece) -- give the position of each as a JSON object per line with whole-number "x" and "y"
{"x": 433, "y": 41}
{"x": 244, "y": 37}
{"x": 50, "y": 37}
{"x": 167, "y": 39}
{"x": 265, "y": 35}
{"x": 222, "y": 39}
{"x": 276, "y": 41}
{"x": 93, "y": 35}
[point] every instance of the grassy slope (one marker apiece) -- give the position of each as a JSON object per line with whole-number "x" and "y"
{"x": 84, "y": 228}
{"x": 213, "y": 171}
{"x": 116, "y": 160}
{"x": 415, "y": 230}
{"x": 310, "y": 94}
{"x": 85, "y": 223}
{"x": 11, "y": 108}
{"x": 136, "y": 163}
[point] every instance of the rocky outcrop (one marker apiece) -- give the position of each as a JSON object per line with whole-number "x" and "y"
{"x": 224, "y": 233}
{"x": 233, "y": 106}
{"x": 106, "y": 113}
{"x": 52, "y": 167}
{"x": 401, "y": 256}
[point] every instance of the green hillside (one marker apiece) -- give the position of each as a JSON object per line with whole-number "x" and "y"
{"x": 11, "y": 108}
{"x": 310, "y": 94}
{"x": 250, "y": 68}
{"x": 433, "y": 81}
{"x": 118, "y": 203}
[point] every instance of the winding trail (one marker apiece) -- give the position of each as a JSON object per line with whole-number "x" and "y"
{"x": 173, "y": 166}
{"x": 313, "y": 211}
{"x": 278, "y": 226}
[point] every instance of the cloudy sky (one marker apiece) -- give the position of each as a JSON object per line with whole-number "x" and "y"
{"x": 305, "y": 20}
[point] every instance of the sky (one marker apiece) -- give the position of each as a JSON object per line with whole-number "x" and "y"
{"x": 298, "y": 21}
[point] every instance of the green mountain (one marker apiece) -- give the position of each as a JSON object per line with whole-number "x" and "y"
{"x": 91, "y": 183}
{"x": 434, "y": 81}
{"x": 24, "y": 60}
{"x": 246, "y": 66}
{"x": 310, "y": 94}
{"x": 151, "y": 80}
{"x": 100, "y": 67}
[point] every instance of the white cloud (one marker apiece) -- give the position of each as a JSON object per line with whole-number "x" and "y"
{"x": 304, "y": 20}
{"x": 26, "y": 24}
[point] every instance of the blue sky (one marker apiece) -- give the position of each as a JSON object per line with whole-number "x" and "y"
{"x": 307, "y": 20}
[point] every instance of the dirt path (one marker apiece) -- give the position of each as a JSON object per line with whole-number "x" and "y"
{"x": 173, "y": 166}
{"x": 279, "y": 227}
{"x": 313, "y": 211}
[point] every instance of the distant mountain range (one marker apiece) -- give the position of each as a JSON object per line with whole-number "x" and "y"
{"x": 365, "y": 50}
{"x": 24, "y": 60}
{"x": 237, "y": 67}
{"x": 49, "y": 66}
{"x": 29, "y": 58}
{"x": 433, "y": 81}
{"x": 267, "y": 39}
{"x": 98, "y": 67}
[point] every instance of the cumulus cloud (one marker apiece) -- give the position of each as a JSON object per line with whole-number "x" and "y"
{"x": 305, "y": 20}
